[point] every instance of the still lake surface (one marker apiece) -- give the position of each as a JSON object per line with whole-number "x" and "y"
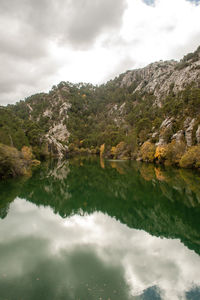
{"x": 88, "y": 229}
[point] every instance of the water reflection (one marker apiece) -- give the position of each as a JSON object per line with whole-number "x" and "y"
{"x": 100, "y": 230}
{"x": 89, "y": 257}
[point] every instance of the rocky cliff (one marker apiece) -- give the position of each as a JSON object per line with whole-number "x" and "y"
{"x": 159, "y": 103}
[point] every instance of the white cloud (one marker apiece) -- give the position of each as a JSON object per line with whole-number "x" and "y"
{"x": 136, "y": 35}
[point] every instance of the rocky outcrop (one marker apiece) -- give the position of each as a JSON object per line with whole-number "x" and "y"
{"x": 167, "y": 123}
{"x": 128, "y": 109}
{"x": 163, "y": 77}
{"x": 179, "y": 136}
{"x": 55, "y": 148}
{"x": 165, "y": 131}
{"x": 59, "y": 132}
{"x": 188, "y": 131}
{"x": 198, "y": 135}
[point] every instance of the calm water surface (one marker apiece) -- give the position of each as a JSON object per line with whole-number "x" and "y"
{"x": 88, "y": 229}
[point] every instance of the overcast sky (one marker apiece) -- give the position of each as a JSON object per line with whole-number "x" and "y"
{"x": 43, "y": 42}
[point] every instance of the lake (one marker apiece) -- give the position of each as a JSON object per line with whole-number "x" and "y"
{"x": 86, "y": 229}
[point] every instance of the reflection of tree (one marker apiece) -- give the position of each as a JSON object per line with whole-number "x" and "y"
{"x": 147, "y": 171}
{"x": 185, "y": 181}
{"x": 4, "y": 211}
{"x": 9, "y": 190}
{"x": 117, "y": 166}
{"x": 128, "y": 191}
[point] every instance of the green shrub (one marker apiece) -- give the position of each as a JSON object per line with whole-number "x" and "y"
{"x": 174, "y": 152}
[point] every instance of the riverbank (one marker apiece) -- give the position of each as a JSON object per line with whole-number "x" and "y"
{"x": 15, "y": 163}
{"x": 171, "y": 154}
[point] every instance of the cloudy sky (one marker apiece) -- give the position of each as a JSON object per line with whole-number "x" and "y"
{"x": 43, "y": 42}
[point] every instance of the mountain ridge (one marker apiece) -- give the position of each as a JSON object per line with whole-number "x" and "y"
{"x": 157, "y": 105}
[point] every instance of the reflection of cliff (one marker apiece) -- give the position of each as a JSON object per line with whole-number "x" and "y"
{"x": 72, "y": 281}
{"x": 167, "y": 207}
{"x": 161, "y": 202}
{"x": 49, "y": 185}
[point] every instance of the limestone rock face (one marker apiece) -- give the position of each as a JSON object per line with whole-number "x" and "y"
{"x": 163, "y": 77}
{"x": 178, "y": 136}
{"x": 165, "y": 127}
{"x": 59, "y": 132}
{"x": 198, "y": 134}
{"x": 188, "y": 133}
{"x": 154, "y": 134}
{"x": 56, "y": 148}
{"x": 187, "y": 123}
{"x": 167, "y": 123}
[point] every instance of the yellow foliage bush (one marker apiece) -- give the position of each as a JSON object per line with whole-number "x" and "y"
{"x": 191, "y": 159}
{"x": 147, "y": 152}
{"x": 35, "y": 162}
{"x": 27, "y": 153}
{"x": 120, "y": 147}
{"x": 121, "y": 151}
{"x": 161, "y": 153}
{"x": 113, "y": 151}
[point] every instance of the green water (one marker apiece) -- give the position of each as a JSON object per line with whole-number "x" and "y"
{"x": 88, "y": 229}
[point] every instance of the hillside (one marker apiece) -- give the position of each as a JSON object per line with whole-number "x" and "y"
{"x": 152, "y": 113}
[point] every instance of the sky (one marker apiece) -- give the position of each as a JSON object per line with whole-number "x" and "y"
{"x": 43, "y": 42}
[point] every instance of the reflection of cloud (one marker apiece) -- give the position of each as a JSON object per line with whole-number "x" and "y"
{"x": 71, "y": 274}
{"x": 141, "y": 259}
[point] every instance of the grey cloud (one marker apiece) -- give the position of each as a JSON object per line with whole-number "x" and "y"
{"x": 77, "y": 22}
{"x": 14, "y": 73}
{"x": 24, "y": 45}
{"x": 25, "y": 28}
{"x": 28, "y": 27}
{"x": 21, "y": 78}
{"x": 89, "y": 18}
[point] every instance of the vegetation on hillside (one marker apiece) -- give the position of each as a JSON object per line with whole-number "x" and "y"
{"x": 15, "y": 163}
{"x": 108, "y": 115}
{"x": 126, "y": 120}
